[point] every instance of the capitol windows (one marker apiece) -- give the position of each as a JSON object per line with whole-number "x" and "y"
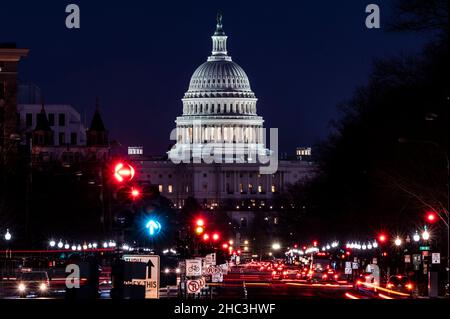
{"x": 260, "y": 189}
{"x": 241, "y": 188}
{"x": 170, "y": 189}
{"x": 160, "y": 188}
{"x": 274, "y": 189}
{"x": 250, "y": 188}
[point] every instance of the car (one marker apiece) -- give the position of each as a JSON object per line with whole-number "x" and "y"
{"x": 330, "y": 275}
{"x": 400, "y": 283}
{"x": 278, "y": 272}
{"x": 33, "y": 283}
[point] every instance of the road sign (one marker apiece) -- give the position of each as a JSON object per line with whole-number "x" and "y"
{"x": 348, "y": 271}
{"x": 211, "y": 270}
{"x": 417, "y": 258}
{"x": 224, "y": 268}
{"x": 424, "y": 248}
{"x": 210, "y": 259}
{"x": 374, "y": 261}
{"x": 217, "y": 277}
{"x": 151, "y": 280}
{"x": 407, "y": 259}
{"x": 348, "y": 264}
{"x": 193, "y": 267}
{"x": 355, "y": 265}
{"x": 435, "y": 258}
{"x": 194, "y": 286}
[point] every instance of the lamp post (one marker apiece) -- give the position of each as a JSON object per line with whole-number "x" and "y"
{"x": 8, "y": 238}
{"x": 444, "y": 153}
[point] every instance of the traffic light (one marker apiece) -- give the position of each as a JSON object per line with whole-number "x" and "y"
{"x": 199, "y": 226}
{"x": 205, "y": 237}
{"x": 123, "y": 172}
{"x": 215, "y": 237}
{"x": 135, "y": 193}
{"x": 315, "y": 243}
{"x": 153, "y": 226}
{"x": 382, "y": 238}
{"x": 431, "y": 217}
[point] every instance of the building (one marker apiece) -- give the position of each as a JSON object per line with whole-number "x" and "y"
{"x": 219, "y": 110}
{"x": 64, "y": 121}
{"x": 10, "y": 56}
{"x": 48, "y": 144}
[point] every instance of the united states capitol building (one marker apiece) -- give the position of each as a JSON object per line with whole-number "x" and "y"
{"x": 221, "y": 156}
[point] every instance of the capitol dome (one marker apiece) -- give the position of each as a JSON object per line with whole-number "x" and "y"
{"x": 219, "y": 106}
{"x": 219, "y": 76}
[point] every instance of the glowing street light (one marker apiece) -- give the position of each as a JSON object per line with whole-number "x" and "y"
{"x": 276, "y": 246}
{"x": 60, "y": 244}
{"x": 52, "y": 243}
{"x": 8, "y": 235}
{"x": 416, "y": 237}
{"x": 398, "y": 241}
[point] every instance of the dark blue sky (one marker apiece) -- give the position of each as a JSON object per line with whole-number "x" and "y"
{"x": 302, "y": 58}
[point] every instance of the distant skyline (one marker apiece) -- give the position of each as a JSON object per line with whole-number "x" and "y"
{"x": 302, "y": 58}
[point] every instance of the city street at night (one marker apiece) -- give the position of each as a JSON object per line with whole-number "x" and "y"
{"x": 213, "y": 158}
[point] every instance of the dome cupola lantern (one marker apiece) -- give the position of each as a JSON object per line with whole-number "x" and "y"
{"x": 219, "y": 42}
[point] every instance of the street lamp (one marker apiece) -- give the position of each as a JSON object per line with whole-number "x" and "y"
{"x": 398, "y": 241}
{"x": 276, "y": 246}
{"x": 52, "y": 243}
{"x": 416, "y": 237}
{"x": 8, "y": 235}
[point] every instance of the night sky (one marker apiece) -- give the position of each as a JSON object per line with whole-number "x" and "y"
{"x": 302, "y": 57}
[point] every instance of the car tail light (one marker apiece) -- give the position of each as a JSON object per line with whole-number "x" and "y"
{"x": 409, "y": 286}
{"x": 399, "y": 276}
{"x": 390, "y": 285}
{"x": 358, "y": 282}
{"x": 274, "y": 272}
{"x": 335, "y": 276}
{"x": 284, "y": 272}
{"x": 325, "y": 276}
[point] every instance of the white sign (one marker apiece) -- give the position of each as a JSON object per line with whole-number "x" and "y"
{"x": 435, "y": 258}
{"x": 374, "y": 261}
{"x": 194, "y": 286}
{"x": 224, "y": 268}
{"x": 348, "y": 271}
{"x": 210, "y": 259}
{"x": 407, "y": 259}
{"x": 151, "y": 282}
{"x": 217, "y": 277}
{"x": 348, "y": 264}
{"x": 355, "y": 266}
{"x": 193, "y": 267}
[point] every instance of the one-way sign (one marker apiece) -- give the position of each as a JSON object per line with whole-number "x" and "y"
{"x": 151, "y": 282}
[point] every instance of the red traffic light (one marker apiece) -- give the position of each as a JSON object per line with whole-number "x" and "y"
{"x": 205, "y": 237}
{"x": 431, "y": 217}
{"x": 123, "y": 172}
{"x": 215, "y": 237}
{"x": 224, "y": 245}
{"x": 200, "y": 222}
{"x": 315, "y": 243}
{"x": 382, "y": 238}
{"x": 135, "y": 193}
